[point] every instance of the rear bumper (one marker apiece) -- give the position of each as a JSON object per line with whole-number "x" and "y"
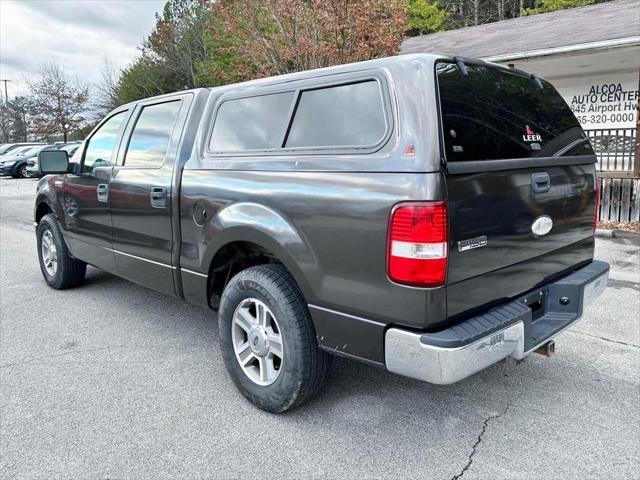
{"x": 512, "y": 329}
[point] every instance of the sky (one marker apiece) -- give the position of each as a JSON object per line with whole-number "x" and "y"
{"x": 78, "y": 34}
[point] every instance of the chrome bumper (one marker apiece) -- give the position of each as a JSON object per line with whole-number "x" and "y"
{"x": 511, "y": 331}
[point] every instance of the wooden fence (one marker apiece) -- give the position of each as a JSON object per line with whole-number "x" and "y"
{"x": 619, "y": 199}
{"x": 618, "y": 173}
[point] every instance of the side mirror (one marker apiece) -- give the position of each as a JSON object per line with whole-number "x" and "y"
{"x": 74, "y": 168}
{"x": 53, "y": 161}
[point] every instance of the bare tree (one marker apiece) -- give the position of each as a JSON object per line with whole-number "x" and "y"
{"x": 281, "y": 36}
{"x": 106, "y": 98}
{"x": 59, "y": 101}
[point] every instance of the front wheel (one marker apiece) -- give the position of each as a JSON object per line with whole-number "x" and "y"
{"x": 59, "y": 269}
{"x": 268, "y": 341}
{"x": 22, "y": 172}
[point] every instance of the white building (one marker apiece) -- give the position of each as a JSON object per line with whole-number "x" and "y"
{"x": 590, "y": 54}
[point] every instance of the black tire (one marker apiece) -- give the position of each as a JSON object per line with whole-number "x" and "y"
{"x": 70, "y": 272}
{"x": 22, "y": 172}
{"x": 305, "y": 366}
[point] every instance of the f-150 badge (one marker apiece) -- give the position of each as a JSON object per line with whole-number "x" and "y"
{"x": 472, "y": 243}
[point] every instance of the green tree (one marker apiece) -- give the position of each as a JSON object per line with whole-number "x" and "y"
{"x": 19, "y": 117}
{"x": 544, "y": 6}
{"x": 425, "y": 16}
{"x": 220, "y": 64}
{"x": 177, "y": 55}
{"x": 14, "y": 119}
{"x": 5, "y": 124}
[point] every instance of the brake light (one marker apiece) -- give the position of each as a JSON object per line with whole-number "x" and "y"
{"x": 417, "y": 247}
{"x": 597, "y": 202}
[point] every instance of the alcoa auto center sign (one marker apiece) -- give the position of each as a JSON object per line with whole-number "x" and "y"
{"x": 605, "y": 102}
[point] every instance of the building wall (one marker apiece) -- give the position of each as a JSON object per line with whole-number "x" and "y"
{"x": 601, "y": 85}
{"x": 602, "y": 101}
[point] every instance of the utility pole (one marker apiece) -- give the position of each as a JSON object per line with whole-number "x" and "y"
{"x": 6, "y": 96}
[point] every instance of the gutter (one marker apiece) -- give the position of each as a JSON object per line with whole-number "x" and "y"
{"x": 581, "y": 47}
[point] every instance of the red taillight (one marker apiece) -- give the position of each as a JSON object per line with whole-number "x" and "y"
{"x": 417, "y": 248}
{"x": 595, "y": 214}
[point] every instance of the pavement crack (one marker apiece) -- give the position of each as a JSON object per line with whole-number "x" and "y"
{"x": 605, "y": 339}
{"x": 60, "y": 354}
{"x": 474, "y": 448}
{"x": 617, "y": 284}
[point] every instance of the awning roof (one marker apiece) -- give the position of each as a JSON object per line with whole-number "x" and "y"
{"x": 604, "y": 25}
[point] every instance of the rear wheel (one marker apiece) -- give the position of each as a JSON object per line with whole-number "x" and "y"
{"x": 59, "y": 269}
{"x": 22, "y": 172}
{"x": 268, "y": 341}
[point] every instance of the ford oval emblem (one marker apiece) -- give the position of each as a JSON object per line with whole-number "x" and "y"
{"x": 542, "y": 225}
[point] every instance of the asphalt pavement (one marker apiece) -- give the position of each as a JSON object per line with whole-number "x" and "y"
{"x": 112, "y": 380}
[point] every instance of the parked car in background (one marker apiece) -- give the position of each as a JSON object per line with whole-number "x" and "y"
{"x": 7, "y": 148}
{"x": 16, "y": 165}
{"x": 14, "y": 151}
{"x": 427, "y": 214}
{"x": 33, "y": 167}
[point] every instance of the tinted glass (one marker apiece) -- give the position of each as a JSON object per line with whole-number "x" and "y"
{"x": 254, "y": 123}
{"x": 494, "y": 113}
{"x": 102, "y": 143}
{"x": 339, "y": 116}
{"x": 31, "y": 151}
{"x": 20, "y": 150}
{"x": 151, "y": 134}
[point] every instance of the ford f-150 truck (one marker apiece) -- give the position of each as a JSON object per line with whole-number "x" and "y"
{"x": 428, "y": 214}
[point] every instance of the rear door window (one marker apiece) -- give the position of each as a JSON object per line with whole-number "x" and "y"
{"x": 151, "y": 134}
{"x": 495, "y": 114}
{"x": 345, "y": 115}
{"x": 252, "y": 123}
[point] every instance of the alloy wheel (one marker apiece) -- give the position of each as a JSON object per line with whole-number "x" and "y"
{"x": 257, "y": 341}
{"x": 49, "y": 253}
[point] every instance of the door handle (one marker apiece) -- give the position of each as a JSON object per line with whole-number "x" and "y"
{"x": 540, "y": 182}
{"x": 103, "y": 192}
{"x": 159, "y": 197}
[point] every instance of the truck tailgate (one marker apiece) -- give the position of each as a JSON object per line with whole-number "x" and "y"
{"x": 520, "y": 179}
{"x": 494, "y": 252}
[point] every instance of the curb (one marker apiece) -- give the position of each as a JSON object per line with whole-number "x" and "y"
{"x": 626, "y": 234}
{"x": 605, "y": 233}
{"x": 608, "y": 233}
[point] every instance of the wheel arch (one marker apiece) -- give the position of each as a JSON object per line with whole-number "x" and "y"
{"x": 262, "y": 233}
{"x": 42, "y": 208}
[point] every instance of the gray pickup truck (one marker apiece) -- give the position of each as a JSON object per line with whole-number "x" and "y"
{"x": 428, "y": 214}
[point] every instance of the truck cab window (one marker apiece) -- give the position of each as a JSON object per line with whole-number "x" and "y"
{"x": 101, "y": 145}
{"x": 151, "y": 134}
{"x": 253, "y": 123}
{"x": 345, "y": 115}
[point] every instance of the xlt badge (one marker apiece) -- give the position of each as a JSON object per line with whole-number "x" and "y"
{"x": 472, "y": 243}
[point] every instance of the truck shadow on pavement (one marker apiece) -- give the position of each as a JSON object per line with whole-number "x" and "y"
{"x": 351, "y": 382}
